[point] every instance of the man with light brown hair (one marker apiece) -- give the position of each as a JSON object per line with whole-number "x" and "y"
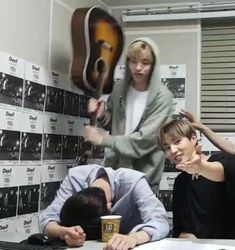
{"x": 200, "y": 204}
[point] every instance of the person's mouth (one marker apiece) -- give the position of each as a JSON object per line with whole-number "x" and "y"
{"x": 138, "y": 74}
{"x": 178, "y": 158}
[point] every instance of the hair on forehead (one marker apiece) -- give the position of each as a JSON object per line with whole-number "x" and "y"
{"x": 140, "y": 49}
{"x": 176, "y": 129}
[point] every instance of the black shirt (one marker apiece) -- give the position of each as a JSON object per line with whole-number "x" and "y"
{"x": 229, "y": 172}
{"x": 200, "y": 205}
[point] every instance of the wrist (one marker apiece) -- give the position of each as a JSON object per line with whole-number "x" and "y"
{"x": 62, "y": 232}
{"x": 202, "y": 169}
{"x": 99, "y": 141}
{"x": 202, "y": 128}
{"x": 136, "y": 238}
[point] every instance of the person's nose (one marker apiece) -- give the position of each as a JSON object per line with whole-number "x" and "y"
{"x": 173, "y": 149}
{"x": 138, "y": 66}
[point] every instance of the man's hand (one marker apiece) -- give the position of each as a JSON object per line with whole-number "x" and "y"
{"x": 74, "y": 236}
{"x": 92, "y": 135}
{"x": 196, "y": 124}
{"x": 96, "y": 107}
{"x": 195, "y": 165}
{"x": 121, "y": 242}
{"x": 189, "y": 236}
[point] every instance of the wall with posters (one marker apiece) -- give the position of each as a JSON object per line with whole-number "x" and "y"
{"x": 40, "y": 125}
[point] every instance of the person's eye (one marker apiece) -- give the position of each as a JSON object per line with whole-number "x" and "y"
{"x": 146, "y": 62}
{"x": 133, "y": 61}
{"x": 166, "y": 148}
{"x": 178, "y": 141}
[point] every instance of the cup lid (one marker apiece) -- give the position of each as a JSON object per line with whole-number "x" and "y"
{"x": 111, "y": 217}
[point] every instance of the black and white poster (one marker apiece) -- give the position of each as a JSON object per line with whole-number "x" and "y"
{"x": 174, "y": 77}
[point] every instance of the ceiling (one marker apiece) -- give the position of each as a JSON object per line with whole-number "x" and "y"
{"x": 122, "y": 4}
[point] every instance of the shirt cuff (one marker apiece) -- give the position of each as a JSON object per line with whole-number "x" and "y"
{"x": 108, "y": 141}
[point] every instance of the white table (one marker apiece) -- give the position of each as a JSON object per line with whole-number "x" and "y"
{"x": 97, "y": 245}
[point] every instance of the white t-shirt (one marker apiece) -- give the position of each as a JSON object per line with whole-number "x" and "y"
{"x": 136, "y": 103}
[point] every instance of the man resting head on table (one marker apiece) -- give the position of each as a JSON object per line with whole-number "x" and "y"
{"x": 123, "y": 192}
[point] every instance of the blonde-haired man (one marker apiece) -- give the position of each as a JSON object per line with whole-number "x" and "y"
{"x": 138, "y": 105}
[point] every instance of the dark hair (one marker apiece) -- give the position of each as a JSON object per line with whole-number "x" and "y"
{"x": 84, "y": 208}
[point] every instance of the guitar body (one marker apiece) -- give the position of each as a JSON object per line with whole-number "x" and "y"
{"x": 97, "y": 42}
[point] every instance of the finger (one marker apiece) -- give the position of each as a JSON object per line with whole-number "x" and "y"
{"x": 78, "y": 242}
{"x": 199, "y": 149}
{"x": 101, "y": 108}
{"x": 105, "y": 247}
{"x": 108, "y": 246}
{"x": 187, "y": 114}
{"x": 122, "y": 244}
{"x": 114, "y": 244}
{"x": 72, "y": 234}
{"x": 71, "y": 241}
{"x": 180, "y": 166}
{"x": 111, "y": 241}
{"x": 79, "y": 229}
{"x": 126, "y": 246}
{"x": 93, "y": 105}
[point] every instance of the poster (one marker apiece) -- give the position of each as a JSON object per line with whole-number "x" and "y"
{"x": 173, "y": 77}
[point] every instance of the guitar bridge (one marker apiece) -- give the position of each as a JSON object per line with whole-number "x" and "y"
{"x": 105, "y": 45}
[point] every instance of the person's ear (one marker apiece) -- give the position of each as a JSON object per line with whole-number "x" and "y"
{"x": 109, "y": 206}
{"x": 194, "y": 140}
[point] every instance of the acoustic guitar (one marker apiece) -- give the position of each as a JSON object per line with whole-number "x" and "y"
{"x": 97, "y": 41}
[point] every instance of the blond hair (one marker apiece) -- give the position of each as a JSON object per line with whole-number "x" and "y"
{"x": 176, "y": 129}
{"x": 140, "y": 49}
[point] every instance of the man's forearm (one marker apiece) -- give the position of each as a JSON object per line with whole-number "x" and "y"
{"x": 213, "y": 171}
{"x": 141, "y": 237}
{"x": 217, "y": 140}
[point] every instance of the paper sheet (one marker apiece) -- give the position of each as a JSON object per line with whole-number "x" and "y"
{"x": 182, "y": 245}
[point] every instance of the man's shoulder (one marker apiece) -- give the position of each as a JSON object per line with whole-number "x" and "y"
{"x": 164, "y": 91}
{"x": 83, "y": 170}
{"x": 118, "y": 86}
{"x": 221, "y": 156}
{"x": 163, "y": 95}
{"x": 129, "y": 174}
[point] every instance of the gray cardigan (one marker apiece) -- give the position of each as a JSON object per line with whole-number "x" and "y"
{"x": 139, "y": 150}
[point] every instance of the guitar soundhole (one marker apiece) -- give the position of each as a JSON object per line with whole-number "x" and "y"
{"x": 100, "y": 66}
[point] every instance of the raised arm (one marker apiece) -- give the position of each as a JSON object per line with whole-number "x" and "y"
{"x": 217, "y": 140}
{"x": 142, "y": 141}
{"x": 199, "y": 165}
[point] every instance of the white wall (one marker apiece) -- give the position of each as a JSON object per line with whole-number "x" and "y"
{"x": 39, "y": 30}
